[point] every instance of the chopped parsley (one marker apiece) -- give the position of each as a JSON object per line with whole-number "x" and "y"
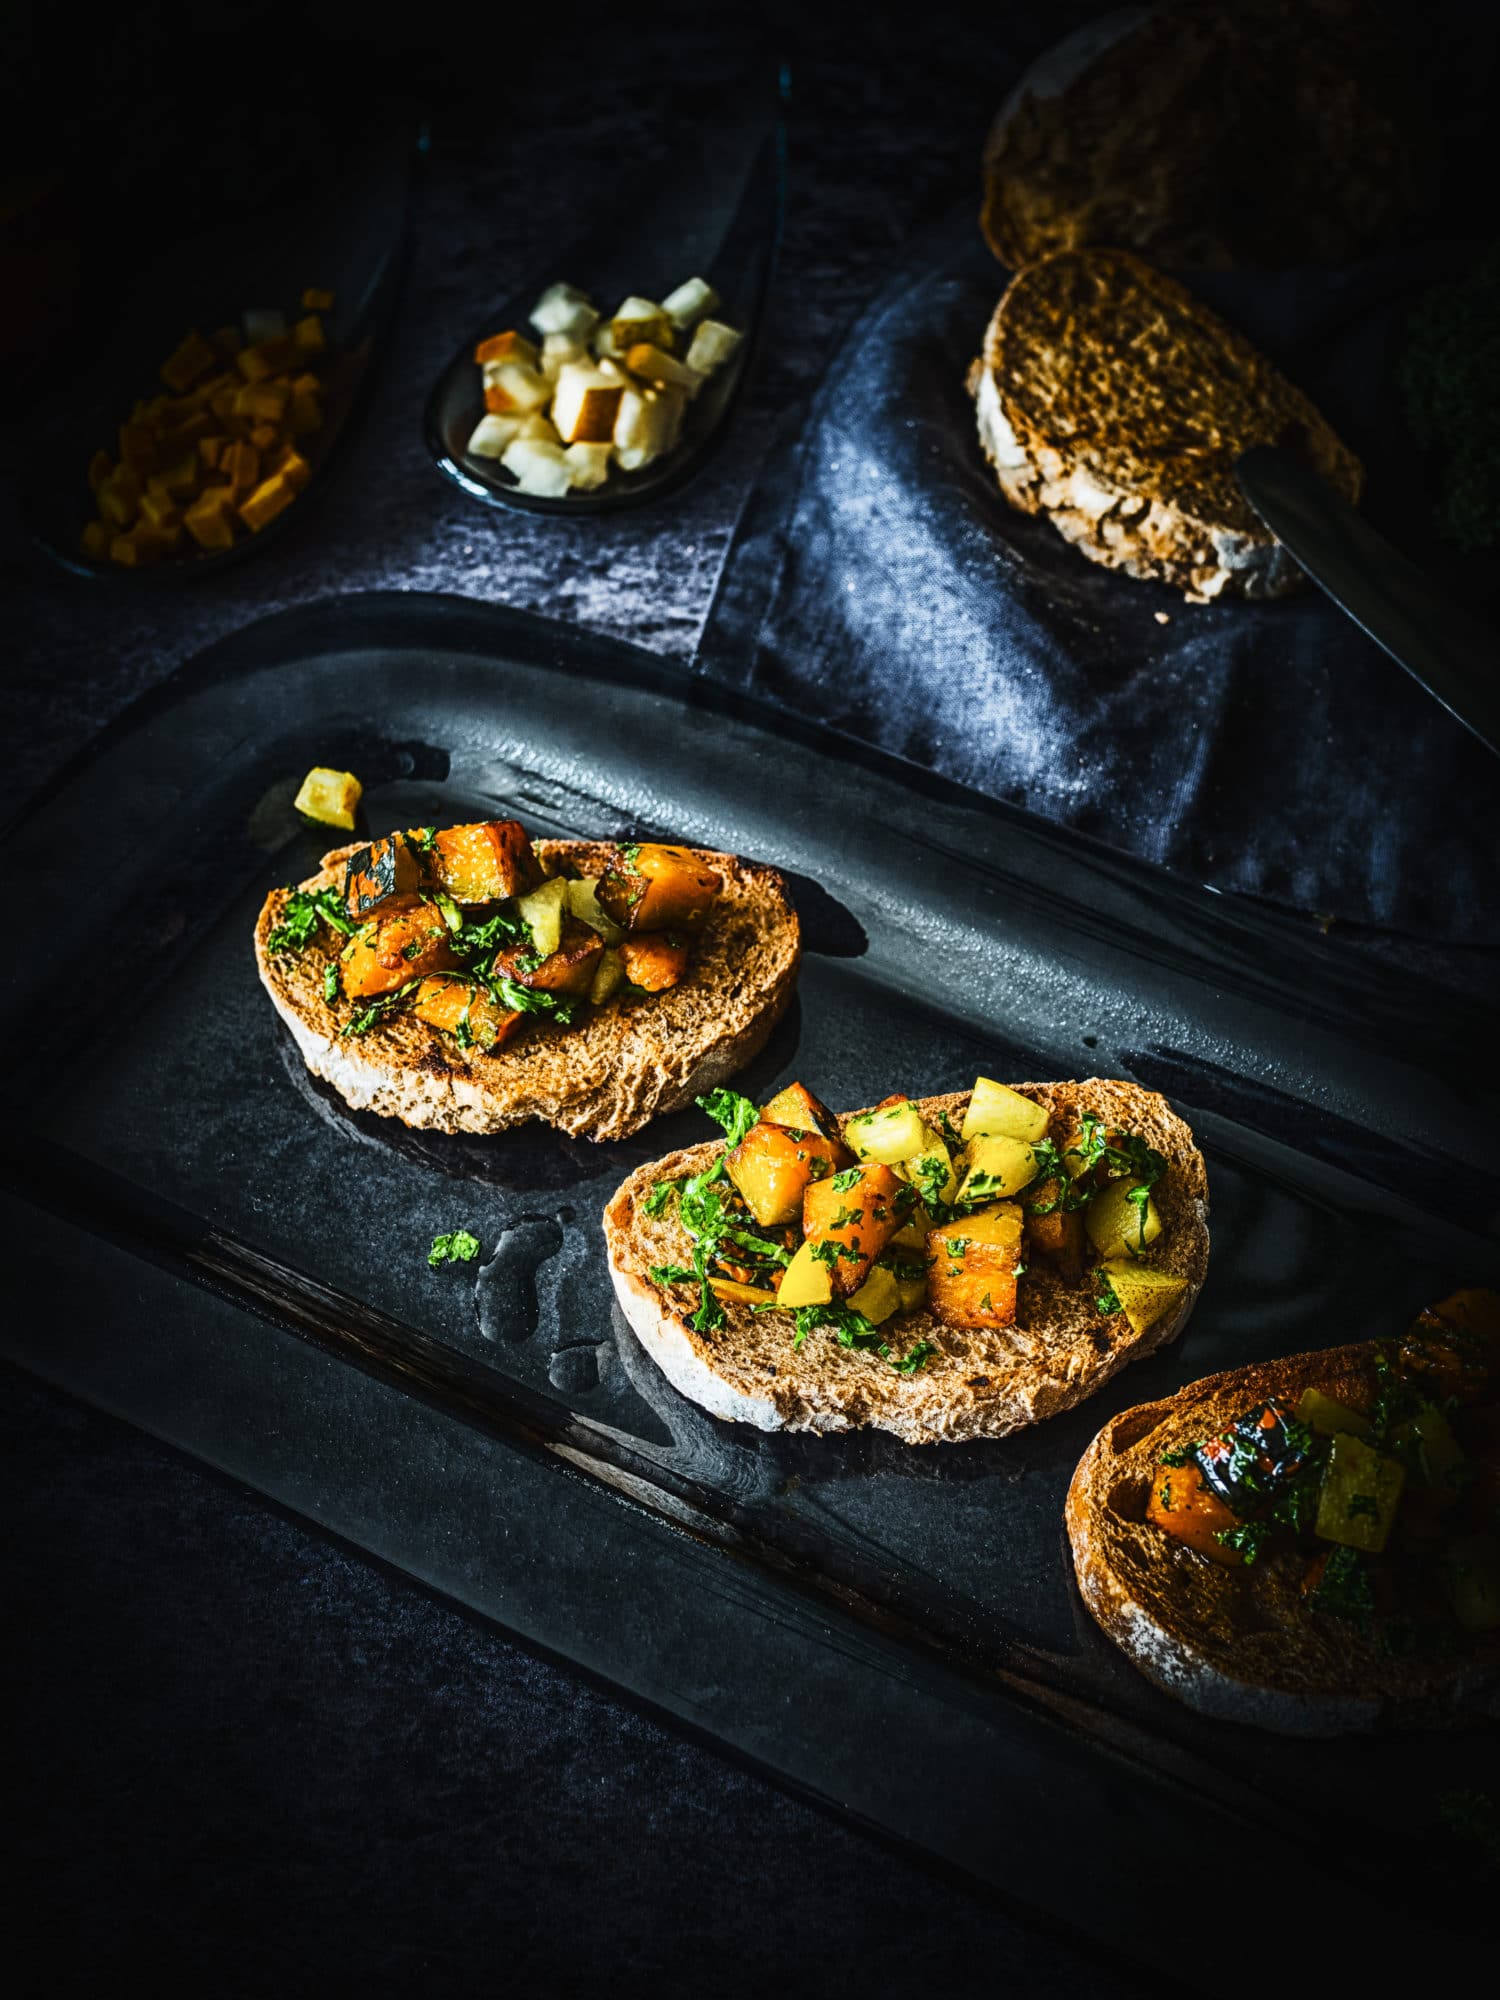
{"x": 304, "y": 910}
{"x": 1344, "y": 1588}
{"x": 659, "y": 1196}
{"x": 454, "y": 1246}
{"x": 1107, "y": 1299}
{"x": 915, "y": 1358}
{"x": 848, "y": 1178}
{"x": 423, "y": 839}
{"x": 379, "y": 1010}
{"x": 331, "y": 981}
{"x": 735, "y": 1113}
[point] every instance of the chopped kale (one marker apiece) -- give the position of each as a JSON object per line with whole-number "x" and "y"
{"x": 305, "y": 909}
{"x": 455, "y": 1246}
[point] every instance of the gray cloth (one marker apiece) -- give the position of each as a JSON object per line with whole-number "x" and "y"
{"x": 880, "y": 582}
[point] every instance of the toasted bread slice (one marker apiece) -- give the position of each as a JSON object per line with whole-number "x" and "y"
{"x": 976, "y": 1384}
{"x": 1201, "y": 134}
{"x": 623, "y": 1065}
{"x": 1109, "y": 400}
{"x": 1241, "y": 1644}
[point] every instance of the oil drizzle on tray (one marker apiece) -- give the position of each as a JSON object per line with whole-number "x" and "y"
{"x": 505, "y": 1293}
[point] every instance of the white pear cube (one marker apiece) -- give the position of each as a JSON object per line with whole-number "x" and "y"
{"x": 558, "y": 349}
{"x": 491, "y": 435}
{"x": 539, "y": 467}
{"x": 586, "y": 403}
{"x": 638, "y": 320}
{"x": 646, "y": 426}
{"x": 564, "y": 309}
{"x": 517, "y": 390}
{"x": 689, "y": 303}
{"x": 712, "y": 346}
{"x": 539, "y": 425}
{"x": 654, "y": 366}
{"x": 590, "y": 463}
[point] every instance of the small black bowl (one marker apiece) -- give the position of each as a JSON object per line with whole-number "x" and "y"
{"x": 714, "y": 212}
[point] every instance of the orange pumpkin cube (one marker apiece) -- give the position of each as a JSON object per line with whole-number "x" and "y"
{"x": 208, "y": 519}
{"x": 1188, "y": 1510}
{"x": 971, "y": 1267}
{"x": 850, "y": 1217}
{"x": 400, "y": 945}
{"x": 568, "y": 970}
{"x": 461, "y": 1007}
{"x": 773, "y": 1167}
{"x": 269, "y": 499}
{"x": 654, "y": 962}
{"x": 655, "y": 888}
{"x": 485, "y": 862}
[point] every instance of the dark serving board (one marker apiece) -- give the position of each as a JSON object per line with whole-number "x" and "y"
{"x": 235, "y": 1262}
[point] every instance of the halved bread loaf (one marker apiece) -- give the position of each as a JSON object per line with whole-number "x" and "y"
{"x": 623, "y": 1065}
{"x": 1240, "y": 1644}
{"x": 976, "y": 1384}
{"x": 1109, "y": 400}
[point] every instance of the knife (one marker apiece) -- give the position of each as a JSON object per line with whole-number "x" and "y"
{"x": 1442, "y": 648}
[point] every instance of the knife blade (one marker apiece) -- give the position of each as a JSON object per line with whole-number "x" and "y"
{"x": 1444, "y": 650}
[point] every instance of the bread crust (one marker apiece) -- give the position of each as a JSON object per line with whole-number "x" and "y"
{"x": 1109, "y": 400}
{"x": 628, "y": 1062}
{"x": 978, "y": 1384}
{"x": 1239, "y": 1644}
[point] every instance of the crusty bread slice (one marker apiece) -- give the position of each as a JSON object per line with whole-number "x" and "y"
{"x": 1111, "y": 401}
{"x": 977, "y": 1384}
{"x": 623, "y": 1065}
{"x": 1239, "y": 1644}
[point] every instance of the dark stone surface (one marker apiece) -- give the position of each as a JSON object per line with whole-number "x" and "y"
{"x": 243, "y": 1756}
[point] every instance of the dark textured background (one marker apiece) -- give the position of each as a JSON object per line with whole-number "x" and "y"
{"x": 242, "y": 1756}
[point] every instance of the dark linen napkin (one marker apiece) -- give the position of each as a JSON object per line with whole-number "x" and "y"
{"x": 880, "y": 583}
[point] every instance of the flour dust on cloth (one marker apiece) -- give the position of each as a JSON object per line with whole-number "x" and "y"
{"x": 880, "y": 582}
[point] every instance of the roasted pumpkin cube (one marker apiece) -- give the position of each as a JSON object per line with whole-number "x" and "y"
{"x": 138, "y": 447}
{"x": 268, "y": 500}
{"x": 654, "y": 962}
{"x": 486, "y": 862}
{"x": 849, "y": 1218}
{"x": 461, "y": 1008}
{"x": 263, "y": 402}
{"x": 208, "y": 520}
{"x": 402, "y": 944}
{"x": 316, "y": 299}
{"x": 241, "y": 465}
{"x": 120, "y": 497}
{"x": 568, "y": 970}
{"x": 656, "y": 888}
{"x": 1188, "y": 1510}
{"x": 378, "y": 874}
{"x": 1055, "y": 1232}
{"x": 265, "y": 437}
{"x": 796, "y": 1106}
{"x": 774, "y": 1165}
{"x": 293, "y": 468}
{"x": 140, "y": 546}
{"x": 304, "y": 412}
{"x": 254, "y": 364}
{"x": 971, "y": 1267}
{"x": 308, "y": 336}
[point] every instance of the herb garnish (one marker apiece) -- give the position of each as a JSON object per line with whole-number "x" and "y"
{"x": 378, "y": 1010}
{"x": 659, "y": 1196}
{"x": 331, "y": 981}
{"x": 305, "y": 909}
{"x": 915, "y": 1358}
{"x": 1107, "y": 1299}
{"x": 1344, "y": 1588}
{"x": 454, "y": 1246}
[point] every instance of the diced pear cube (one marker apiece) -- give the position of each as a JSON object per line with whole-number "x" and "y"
{"x": 507, "y": 346}
{"x": 590, "y": 463}
{"x": 329, "y": 797}
{"x": 637, "y": 320}
{"x": 558, "y": 349}
{"x": 516, "y": 390}
{"x": 586, "y": 404}
{"x": 691, "y": 302}
{"x": 712, "y": 345}
{"x": 491, "y": 437}
{"x": 539, "y": 467}
{"x": 645, "y": 426}
{"x": 652, "y": 365}
{"x": 564, "y": 309}
{"x": 539, "y": 425}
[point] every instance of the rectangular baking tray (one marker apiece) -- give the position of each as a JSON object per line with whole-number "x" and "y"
{"x": 237, "y": 1263}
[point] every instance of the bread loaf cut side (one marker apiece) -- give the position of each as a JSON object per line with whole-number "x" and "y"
{"x": 1241, "y": 1644}
{"x": 624, "y": 1064}
{"x": 976, "y": 1384}
{"x": 1111, "y": 402}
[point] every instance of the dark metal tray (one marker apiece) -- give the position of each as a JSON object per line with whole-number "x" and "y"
{"x": 237, "y": 1263}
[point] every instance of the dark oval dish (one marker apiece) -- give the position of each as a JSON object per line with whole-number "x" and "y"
{"x": 720, "y": 219}
{"x": 350, "y": 240}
